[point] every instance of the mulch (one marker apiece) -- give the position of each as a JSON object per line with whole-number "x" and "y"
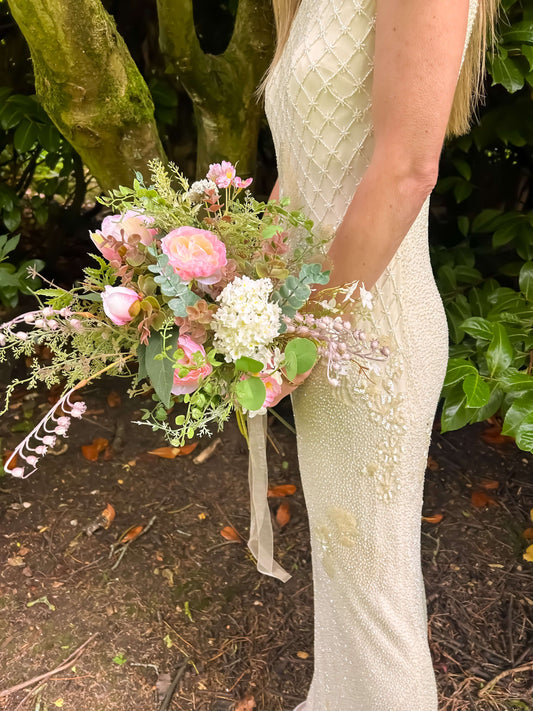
{"x": 179, "y": 618}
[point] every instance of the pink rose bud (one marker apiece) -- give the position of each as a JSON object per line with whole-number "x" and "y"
{"x": 117, "y": 301}
{"x": 195, "y": 254}
{"x": 189, "y": 383}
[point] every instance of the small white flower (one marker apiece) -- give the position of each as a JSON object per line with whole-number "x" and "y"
{"x": 199, "y": 188}
{"x": 366, "y": 297}
{"x": 246, "y": 322}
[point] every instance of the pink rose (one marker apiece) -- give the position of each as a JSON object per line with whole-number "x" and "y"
{"x": 189, "y": 383}
{"x": 117, "y": 303}
{"x": 195, "y": 254}
{"x": 121, "y": 228}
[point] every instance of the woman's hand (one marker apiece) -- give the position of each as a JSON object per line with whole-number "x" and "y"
{"x": 287, "y": 387}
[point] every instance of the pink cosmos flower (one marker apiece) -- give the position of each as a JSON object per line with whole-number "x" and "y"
{"x": 273, "y": 387}
{"x": 189, "y": 383}
{"x": 122, "y": 228}
{"x": 240, "y": 183}
{"x": 117, "y": 302}
{"x": 221, "y": 174}
{"x": 195, "y": 254}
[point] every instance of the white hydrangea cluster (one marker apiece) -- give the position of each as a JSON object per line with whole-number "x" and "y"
{"x": 199, "y": 188}
{"x": 246, "y": 321}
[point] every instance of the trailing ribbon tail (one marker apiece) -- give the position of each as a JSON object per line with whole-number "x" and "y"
{"x": 261, "y": 541}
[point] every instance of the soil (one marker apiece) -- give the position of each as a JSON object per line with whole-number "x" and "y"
{"x": 180, "y": 602}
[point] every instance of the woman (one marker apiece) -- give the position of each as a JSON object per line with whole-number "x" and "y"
{"x": 359, "y": 98}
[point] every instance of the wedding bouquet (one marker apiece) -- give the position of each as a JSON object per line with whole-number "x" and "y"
{"x": 198, "y": 296}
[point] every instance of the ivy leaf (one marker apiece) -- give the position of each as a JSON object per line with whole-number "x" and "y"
{"x": 161, "y": 371}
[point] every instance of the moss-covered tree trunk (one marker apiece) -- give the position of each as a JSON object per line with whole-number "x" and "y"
{"x": 222, "y": 86}
{"x": 90, "y": 86}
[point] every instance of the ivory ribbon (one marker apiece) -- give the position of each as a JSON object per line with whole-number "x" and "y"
{"x": 261, "y": 541}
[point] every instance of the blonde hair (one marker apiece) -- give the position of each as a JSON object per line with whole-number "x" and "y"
{"x": 469, "y": 90}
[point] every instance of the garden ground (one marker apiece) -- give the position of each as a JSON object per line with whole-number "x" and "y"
{"x": 181, "y": 603}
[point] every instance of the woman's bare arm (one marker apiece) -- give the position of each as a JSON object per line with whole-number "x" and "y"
{"x": 418, "y": 51}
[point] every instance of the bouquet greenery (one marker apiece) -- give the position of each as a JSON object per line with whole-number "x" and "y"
{"x": 200, "y": 293}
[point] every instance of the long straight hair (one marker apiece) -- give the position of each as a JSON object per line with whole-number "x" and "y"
{"x": 469, "y": 90}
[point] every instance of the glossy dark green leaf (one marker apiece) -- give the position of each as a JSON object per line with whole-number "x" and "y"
{"x": 25, "y": 136}
{"x": 520, "y": 408}
{"x": 457, "y": 370}
{"x": 506, "y": 72}
{"x": 455, "y": 412}
{"x": 500, "y": 352}
{"x": 492, "y": 406}
{"x": 524, "y": 434}
{"x": 525, "y": 280}
{"x": 478, "y": 327}
{"x": 476, "y": 389}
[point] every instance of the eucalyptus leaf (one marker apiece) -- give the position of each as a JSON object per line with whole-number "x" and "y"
{"x": 251, "y": 393}
{"x": 248, "y": 365}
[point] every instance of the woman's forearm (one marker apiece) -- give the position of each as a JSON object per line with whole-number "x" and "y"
{"x": 274, "y": 195}
{"x": 383, "y": 209}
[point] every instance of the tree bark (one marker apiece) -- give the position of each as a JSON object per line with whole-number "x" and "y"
{"x": 90, "y": 86}
{"x": 222, "y": 86}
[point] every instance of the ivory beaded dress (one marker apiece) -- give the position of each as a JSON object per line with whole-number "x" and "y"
{"x": 362, "y": 446}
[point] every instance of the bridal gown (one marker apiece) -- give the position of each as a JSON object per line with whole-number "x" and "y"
{"x": 363, "y": 446}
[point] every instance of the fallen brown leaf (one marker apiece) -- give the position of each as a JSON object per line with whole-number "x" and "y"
{"x": 489, "y": 484}
{"x": 131, "y": 534}
{"x": 173, "y": 452}
{"x": 114, "y": 399}
{"x": 432, "y": 464}
{"x": 23, "y": 551}
{"x": 16, "y": 560}
{"x": 528, "y": 534}
{"x": 230, "y": 534}
{"x": 91, "y": 451}
{"x": 246, "y": 704}
{"x": 436, "y": 518}
{"x": 493, "y": 435}
{"x": 108, "y": 514}
{"x": 480, "y": 499}
{"x": 282, "y": 490}
{"x": 302, "y": 655}
{"x": 283, "y": 514}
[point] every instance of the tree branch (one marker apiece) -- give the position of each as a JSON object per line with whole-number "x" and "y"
{"x": 90, "y": 86}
